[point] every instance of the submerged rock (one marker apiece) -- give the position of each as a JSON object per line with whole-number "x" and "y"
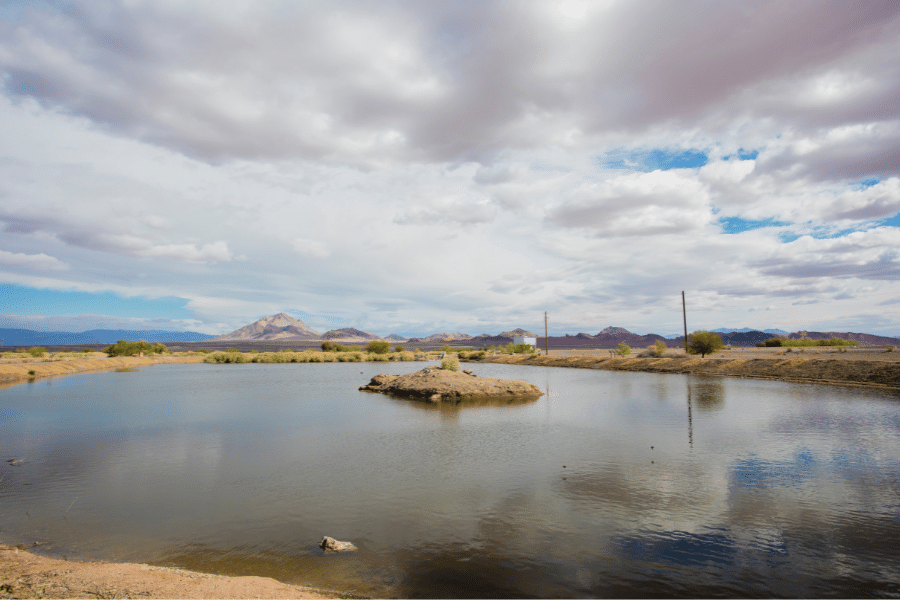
{"x": 438, "y": 385}
{"x": 329, "y": 544}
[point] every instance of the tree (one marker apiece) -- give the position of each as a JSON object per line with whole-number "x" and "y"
{"x": 623, "y": 349}
{"x": 378, "y": 347}
{"x": 703, "y": 343}
{"x": 327, "y": 346}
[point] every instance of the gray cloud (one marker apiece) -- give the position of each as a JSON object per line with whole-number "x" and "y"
{"x": 415, "y": 80}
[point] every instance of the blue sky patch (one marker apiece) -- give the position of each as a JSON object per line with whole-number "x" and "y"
{"x": 18, "y": 300}
{"x": 891, "y": 222}
{"x": 866, "y": 183}
{"x": 739, "y": 225}
{"x": 743, "y": 154}
{"x": 661, "y": 159}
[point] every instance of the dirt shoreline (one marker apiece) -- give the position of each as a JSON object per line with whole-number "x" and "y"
{"x": 17, "y": 371}
{"x": 868, "y": 367}
{"x": 27, "y": 575}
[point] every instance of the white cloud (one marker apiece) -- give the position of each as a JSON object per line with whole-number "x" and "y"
{"x": 40, "y": 262}
{"x": 438, "y": 165}
{"x": 311, "y": 248}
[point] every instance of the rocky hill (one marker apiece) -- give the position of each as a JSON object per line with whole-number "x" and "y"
{"x": 349, "y": 334}
{"x": 276, "y": 327}
{"x": 440, "y": 337}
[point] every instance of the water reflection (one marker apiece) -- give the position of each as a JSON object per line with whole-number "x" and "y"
{"x": 587, "y": 491}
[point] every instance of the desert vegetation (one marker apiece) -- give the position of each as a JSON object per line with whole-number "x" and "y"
{"x": 623, "y": 349}
{"x": 789, "y": 343}
{"x": 703, "y": 343}
{"x": 309, "y": 356}
{"x": 37, "y": 351}
{"x": 123, "y": 348}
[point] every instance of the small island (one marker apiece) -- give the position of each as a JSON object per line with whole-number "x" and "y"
{"x": 436, "y": 385}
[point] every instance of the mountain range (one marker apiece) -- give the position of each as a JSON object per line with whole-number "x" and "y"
{"x": 284, "y": 328}
{"x": 29, "y": 337}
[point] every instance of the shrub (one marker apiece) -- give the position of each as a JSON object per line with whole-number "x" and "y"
{"x": 203, "y": 351}
{"x": 703, "y": 343}
{"x": 445, "y": 348}
{"x": 327, "y": 346}
{"x": 254, "y": 351}
{"x": 87, "y": 350}
{"x": 32, "y": 372}
{"x": 623, "y": 349}
{"x": 378, "y": 347}
{"x": 398, "y": 348}
{"x": 789, "y": 343}
{"x": 450, "y": 364}
{"x": 231, "y": 350}
{"x": 226, "y": 357}
{"x": 657, "y": 349}
{"x": 123, "y": 348}
{"x": 377, "y": 357}
{"x": 37, "y": 351}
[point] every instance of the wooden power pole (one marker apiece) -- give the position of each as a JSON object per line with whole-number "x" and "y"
{"x": 684, "y": 313}
{"x": 546, "y": 337}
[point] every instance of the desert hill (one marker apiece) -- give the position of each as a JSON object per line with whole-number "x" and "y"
{"x": 349, "y": 334}
{"x": 275, "y": 327}
{"x": 441, "y": 337}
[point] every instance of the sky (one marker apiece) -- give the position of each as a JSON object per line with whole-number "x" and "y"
{"x": 420, "y": 167}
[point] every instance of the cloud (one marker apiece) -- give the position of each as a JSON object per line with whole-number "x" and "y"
{"x": 442, "y": 82}
{"x": 311, "y": 248}
{"x": 636, "y": 204}
{"x": 40, "y": 262}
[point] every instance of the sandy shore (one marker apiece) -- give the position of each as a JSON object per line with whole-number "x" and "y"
{"x": 27, "y": 575}
{"x": 876, "y": 367}
{"x": 17, "y": 370}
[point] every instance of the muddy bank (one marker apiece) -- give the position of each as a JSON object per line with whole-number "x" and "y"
{"x": 25, "y": 370}
{"x": 786, "y": 367}
{"x": 27, "y": 575}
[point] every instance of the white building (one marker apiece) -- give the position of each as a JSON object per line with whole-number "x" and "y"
{"x": 521, "y": 339}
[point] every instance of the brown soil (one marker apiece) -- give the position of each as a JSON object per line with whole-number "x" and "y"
{"x": 26, "y": 575}
{"x": 440, "y": 385}
{"x": 16, "y": 370}
{"x": 867, "y": 366}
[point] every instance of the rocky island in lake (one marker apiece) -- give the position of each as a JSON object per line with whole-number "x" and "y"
{"x": 442, "y": 385}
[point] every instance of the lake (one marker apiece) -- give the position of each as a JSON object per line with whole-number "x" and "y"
{"x": 610, "y": 485}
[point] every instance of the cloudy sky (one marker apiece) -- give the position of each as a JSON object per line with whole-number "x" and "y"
{"x": 416, "y": 167}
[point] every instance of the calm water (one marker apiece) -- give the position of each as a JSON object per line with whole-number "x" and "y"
{"x": 751, "y": 488}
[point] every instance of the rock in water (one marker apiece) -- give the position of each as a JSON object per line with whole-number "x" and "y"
{"x": 438, "y": 385}
{"x": 329, "y": 544}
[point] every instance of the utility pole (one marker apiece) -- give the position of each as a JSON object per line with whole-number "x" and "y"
{"x": 546, "y": 337}
{"x": 684, "y": 313}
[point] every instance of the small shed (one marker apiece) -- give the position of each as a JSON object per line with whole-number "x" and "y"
{"x": 521, "y": 339}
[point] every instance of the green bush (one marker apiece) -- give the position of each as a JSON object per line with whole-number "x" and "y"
{"x": 32, "y": 372}
{"x": 327, "y": 346}
{"x": 378, "y": 347}
{"x": 703, "y": 343}
{"x": 450, "y": 364}
{"x": 377, "y": 357}
{"x": 123, "y": 348}
{"x": 398, "y": 348}
{"x": 623, "y": 349}
{"x": 37, "y": 351}
{"x": 203, "y": 351}
{"x": 226, "y": 357}
{"x": 231, "y": 350}
{"x": 88, "y": 350}
{"x": 658, "y": 349}
{"x": 789, "y": 343}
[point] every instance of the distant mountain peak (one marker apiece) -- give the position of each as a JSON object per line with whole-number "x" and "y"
{"x": 517, "y": 331}
{"x": 274, "y": 327}
{"x": 614, "y": 331}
